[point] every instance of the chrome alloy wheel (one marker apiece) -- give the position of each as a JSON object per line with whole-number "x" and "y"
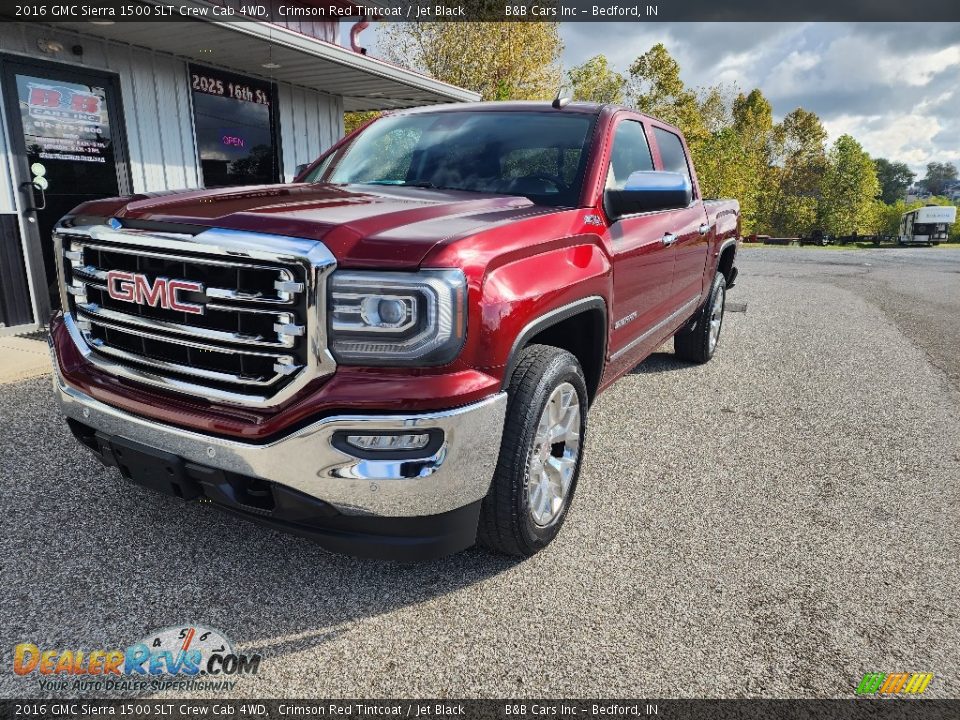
{"x": 716, "y": 318}
{"x": 556, "y": 449}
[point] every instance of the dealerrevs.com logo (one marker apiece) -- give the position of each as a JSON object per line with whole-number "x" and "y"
{"x": 191, "y": 657}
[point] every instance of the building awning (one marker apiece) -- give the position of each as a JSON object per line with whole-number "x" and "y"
{"x": 365, "y": 83}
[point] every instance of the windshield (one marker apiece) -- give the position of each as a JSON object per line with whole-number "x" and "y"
{"x": 539, "y": 155}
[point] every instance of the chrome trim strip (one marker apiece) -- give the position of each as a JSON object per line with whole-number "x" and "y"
{"x": 139, "y": 375}
{"x": 199, "y": 259}
{"x": 184, "y": 342}
{"x": 214, "y": 375}
{"x": 458, "y": 474}
{"x": 693, "y": 302}
{"x": 236, "y": 247}
{"x": 95, "y": 312}
{"x": 242, "y": 297}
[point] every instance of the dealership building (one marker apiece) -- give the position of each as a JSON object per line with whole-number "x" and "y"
{"x": 95, "y": 109}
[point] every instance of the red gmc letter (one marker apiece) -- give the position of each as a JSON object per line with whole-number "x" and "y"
{"x": 120, "y": 285}
{"x": 174, "y": 304}
{"x": 155, "y": 296}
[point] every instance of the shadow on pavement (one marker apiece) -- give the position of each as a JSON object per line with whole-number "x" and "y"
{"x": 660, "y": 362}
{"x": 96, "y": 561}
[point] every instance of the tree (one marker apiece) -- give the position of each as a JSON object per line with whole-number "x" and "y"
{"x": 938, "y": 175}
{"x": 656, "y": 89}
{"x": 353, "y": 120}
{"x": 596, "y": 81}
{"x": 798, "y": 159}
{"x": 895, "y": 178}
{"x": 849, "y": 189}
{"x": 500, "y": 60}
{"x": 753, "y": 125}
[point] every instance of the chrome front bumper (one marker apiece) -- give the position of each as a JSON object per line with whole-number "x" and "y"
{"x": 457, "y": 474}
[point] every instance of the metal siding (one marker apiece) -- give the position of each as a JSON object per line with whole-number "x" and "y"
{"x": 156, "y": 103}
{"x": 310, "y": 122}
{"x": 157, "y": 106}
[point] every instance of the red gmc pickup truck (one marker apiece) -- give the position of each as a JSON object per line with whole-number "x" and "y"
{"x": 394, "y": 354}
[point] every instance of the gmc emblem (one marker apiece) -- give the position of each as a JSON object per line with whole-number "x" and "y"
{"x": 136, "y": 288}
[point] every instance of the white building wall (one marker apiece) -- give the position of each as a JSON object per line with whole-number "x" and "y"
{"x": 156, "y": 101}
{"x": 310, "y": 122}
{"x": 157, "y": 110}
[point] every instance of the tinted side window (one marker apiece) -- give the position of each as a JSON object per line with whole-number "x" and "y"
{"x": 671, "y": 152}
{"x": 629, "y": 154}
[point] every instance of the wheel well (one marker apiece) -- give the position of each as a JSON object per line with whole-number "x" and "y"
{"x": 584, "y": 335}
{"x": 725, "y": 264}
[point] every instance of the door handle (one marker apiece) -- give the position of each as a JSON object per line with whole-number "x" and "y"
{"x": 34, "y": 186}
{"x": 704, "y": 229}
{"x": 668, "y": 239}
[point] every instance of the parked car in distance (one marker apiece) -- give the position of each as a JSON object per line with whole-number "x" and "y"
{"x": 396, "y": 353}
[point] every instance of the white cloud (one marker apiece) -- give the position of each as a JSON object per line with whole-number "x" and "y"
{"x": 907, "y": 138}
{"x": 893, "y": 86}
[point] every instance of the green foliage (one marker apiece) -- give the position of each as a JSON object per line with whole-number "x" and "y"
{"x": 353, "y": 120}
{"x": 848, "y": 190}
{"x": 938, "y": 175}
{"x": 596, "y": 81}
{"x": 655, "y": 88}
{"x": 500, "y": 60}
{"x": 798, "y": 160}
{"x": 895, "y": 178}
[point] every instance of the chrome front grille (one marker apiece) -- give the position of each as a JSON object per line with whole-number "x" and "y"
{"x": 251, "y": 332}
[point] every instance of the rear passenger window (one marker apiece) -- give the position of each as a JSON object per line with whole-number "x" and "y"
{"x": 671, "y": 152}
{"x": 629, "y": 154}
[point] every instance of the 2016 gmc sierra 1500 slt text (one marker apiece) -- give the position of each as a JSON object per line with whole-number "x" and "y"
{"x": 394, "y": 354}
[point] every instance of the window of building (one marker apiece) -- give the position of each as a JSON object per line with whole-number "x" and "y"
{"x": 235, "y": 128}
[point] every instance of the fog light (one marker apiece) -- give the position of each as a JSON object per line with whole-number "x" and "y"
{"x": 389, "y": 442}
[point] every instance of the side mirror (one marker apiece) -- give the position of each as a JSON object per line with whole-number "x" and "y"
{"x": 300, "y": 168}
{"x": 648, "y": 190}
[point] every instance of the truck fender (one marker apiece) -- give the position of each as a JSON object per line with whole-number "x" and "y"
{"x": 548, "y": 320}
{"x": 731, "y": 272}
{"x": 522, "y": 298}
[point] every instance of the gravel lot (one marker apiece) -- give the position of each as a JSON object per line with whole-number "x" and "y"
{"x": 774, "y": 523}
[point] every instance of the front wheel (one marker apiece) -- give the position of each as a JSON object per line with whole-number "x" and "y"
{"x": 697, "y": 340}
{"x": 540, "y": 454}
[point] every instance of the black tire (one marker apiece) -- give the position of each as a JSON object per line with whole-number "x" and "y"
{"x": 692, "y": 341}
{"x": 506, "y": 519}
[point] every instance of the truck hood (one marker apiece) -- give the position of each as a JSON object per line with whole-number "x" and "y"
{"x": 363, "y": 226}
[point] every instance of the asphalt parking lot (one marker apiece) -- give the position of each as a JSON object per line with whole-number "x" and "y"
{"x": 775, "y": 523}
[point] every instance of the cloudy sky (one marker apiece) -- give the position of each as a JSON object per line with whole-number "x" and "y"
{"x": 895, "y": 87}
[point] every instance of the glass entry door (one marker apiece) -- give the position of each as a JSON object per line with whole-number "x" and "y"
{"x": 66, "y": 134}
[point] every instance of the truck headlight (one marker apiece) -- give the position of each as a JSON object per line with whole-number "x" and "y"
{"x": 393, "y": 318}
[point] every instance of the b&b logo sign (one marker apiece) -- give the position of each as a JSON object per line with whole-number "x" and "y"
{"x": 56, "y": 102}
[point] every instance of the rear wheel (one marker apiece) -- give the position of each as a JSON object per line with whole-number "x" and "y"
{"x": 697, "y": 340}
{"x": 540, "y": 454}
